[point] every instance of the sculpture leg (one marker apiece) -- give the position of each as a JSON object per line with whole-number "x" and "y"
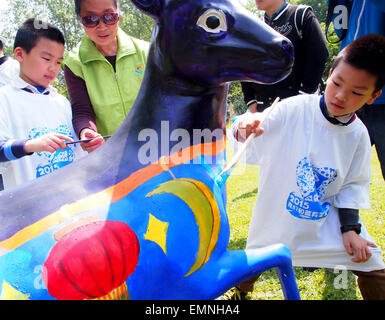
{"x": 235, "y": 267}
{"x": 281, "y": 257}
{"x": 288, "y": 282}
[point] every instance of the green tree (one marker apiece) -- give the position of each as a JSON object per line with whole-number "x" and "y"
{"x": 319, "y": 7}
{"x": 62, "y": 14}
{"x": 134, "y": 22}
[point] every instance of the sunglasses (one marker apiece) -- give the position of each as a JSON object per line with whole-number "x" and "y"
{"x": 108, "y": 18}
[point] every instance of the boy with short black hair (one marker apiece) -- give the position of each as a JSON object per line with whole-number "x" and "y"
{"x": 312, "y": 202}
{"x": 35, "y": 121}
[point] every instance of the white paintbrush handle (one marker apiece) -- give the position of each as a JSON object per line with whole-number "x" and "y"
{"x": 244, "y": 146}
{"x": 238, "y": 155}
{"x": 269, "y": 111}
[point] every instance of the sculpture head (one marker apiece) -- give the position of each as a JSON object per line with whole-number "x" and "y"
{"x": 203, "y": 40}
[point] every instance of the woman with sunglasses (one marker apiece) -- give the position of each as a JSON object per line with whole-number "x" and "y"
{"x": 103, "y": 73}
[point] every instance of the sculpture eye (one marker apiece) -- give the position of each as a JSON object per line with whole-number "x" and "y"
{"x": 213, "y": 21}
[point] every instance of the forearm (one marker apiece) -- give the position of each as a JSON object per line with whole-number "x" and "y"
{"x": 83, "y": 115}
{"x": 12, "y": 150}
{"x": 81, "y": 122}
{"x": 348, "y": 216}
{"x": 349, "y": 220}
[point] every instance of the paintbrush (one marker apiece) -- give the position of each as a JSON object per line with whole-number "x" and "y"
{"x": 226, "y": 170}
{"x": 86, "y": 140}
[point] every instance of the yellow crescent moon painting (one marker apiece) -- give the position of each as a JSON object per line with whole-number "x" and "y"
{"x": 202, "y": 203}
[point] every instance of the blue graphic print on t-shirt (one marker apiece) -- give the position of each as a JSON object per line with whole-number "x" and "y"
{"x": 312, "y": 183}
{"x": 60, "y": 158}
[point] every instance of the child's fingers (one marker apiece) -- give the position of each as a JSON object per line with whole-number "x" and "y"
{"x": 358, "y": 256}
{"x": 248, "y": 126}
{"x": 365, "y": 253}
{"x": 371, "y": 244}
{"x": 258, "y": 131}
{"x": 50, "y": 146}
{"x": 362, "y": 255}
{"x": 252, "y": 128}
{"x": 58, "y": 141}
{"x": 349, "y": 249}
{"x": 62, "y": 137}
{"x": 50, "y": 149}
{"x": 368, "y": 253}
{"x": 255, "y": 123}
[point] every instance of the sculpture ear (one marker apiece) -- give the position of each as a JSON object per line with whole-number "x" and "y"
{"x": 152, "y": 8}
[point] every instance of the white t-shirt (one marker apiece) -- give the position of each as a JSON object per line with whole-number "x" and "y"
{"x": 25, "y": 115}
{"x": 309, "y": 168}
{"x": 9, "y": 71}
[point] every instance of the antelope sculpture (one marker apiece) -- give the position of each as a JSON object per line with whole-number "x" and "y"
{"x": 143, "y": 217}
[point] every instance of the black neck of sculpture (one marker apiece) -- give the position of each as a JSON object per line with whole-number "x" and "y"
{"x": 166, "y": 97}
{"x": 166, "y": 109}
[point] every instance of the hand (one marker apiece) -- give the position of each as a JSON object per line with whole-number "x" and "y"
{"x": 358, "y": 246}
{"x": 50, "y": 142}
{"x": 93, "y": 144}
{"x": 249, "y": 124}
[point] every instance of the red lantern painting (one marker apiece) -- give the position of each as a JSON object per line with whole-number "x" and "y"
{"x": 92, "y": 262}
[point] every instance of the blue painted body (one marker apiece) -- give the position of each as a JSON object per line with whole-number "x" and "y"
{"x": 184, "y": 85}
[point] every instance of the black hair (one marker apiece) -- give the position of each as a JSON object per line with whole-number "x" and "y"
{"x": 32, "y": 30}
{"x": 367, "y": 53}
{"x": 78, "y": 4}
{"x": 1, "y": 45}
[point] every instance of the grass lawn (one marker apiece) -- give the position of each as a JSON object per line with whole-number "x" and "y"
{"x": 242, "y": 188}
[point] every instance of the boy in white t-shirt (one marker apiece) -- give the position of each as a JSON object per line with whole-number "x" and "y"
{"x": 9, "y": 68}
{"x": 315, "y": 159}
{"x": 35, "y": 121}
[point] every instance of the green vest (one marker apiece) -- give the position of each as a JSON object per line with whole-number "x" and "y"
{"x": 112, "y": 94}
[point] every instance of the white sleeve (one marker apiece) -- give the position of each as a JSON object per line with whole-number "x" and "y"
{"x": 258, "y": 147}
{"x": 4, "y": 131}
{"x": 354, "y": 193}
{"x": 9, "y": 71}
